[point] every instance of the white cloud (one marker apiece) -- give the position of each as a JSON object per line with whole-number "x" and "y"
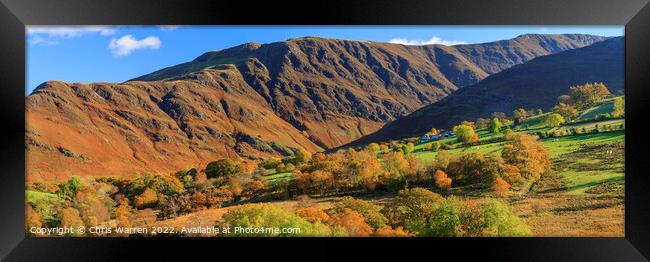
{"x": 53, "y": 35}
{"x": 69, "y": 31}
{"x": 127, "y": 44}
{"x": 38, "y": 40}
{"x": 168, "y": 27}
{"x": 432, "y": 41}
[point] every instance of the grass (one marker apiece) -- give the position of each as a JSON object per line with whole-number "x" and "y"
{"x": 35, "y": 196}
{"x": 274, "y": 179}
{"x": 605, "y": 108}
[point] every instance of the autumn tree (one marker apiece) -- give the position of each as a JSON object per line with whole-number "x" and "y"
{"x": 554, "y": 120}
{"x": 370, "y": 212}
{"x": 520, "y": 115}
{"x": 388, "y": 231}
{"x": 464, "y": 133}
{"x": 254, "y": 187}
{"x": 528, "y": 154}
{"x": 374, "y": 147}
{"x": 312, "y": 214}
{"x": 32, "y": 219}
{"x": 619, "y": 107}
{"x": 148, "y": 198}
{"x": 482, "y": 123}
{"x": 352, "y": 221}
{"x": 467, "y": 169}
{"x": 123, "y": 213}
{"x": 70, "y": 217}
{"x": 443, "y": 159}
{"x": 500, "y": 187}
{"x": 395, "y": 163}
{"x": 565, "y": 110}
{"x": 94, "y": 203}
{"x": 442, "y": 181}
{"x": 584, "y": 96}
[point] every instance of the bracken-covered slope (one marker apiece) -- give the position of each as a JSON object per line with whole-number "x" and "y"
{"x": 254, "y": 101}
{"x": 534, "y": 84}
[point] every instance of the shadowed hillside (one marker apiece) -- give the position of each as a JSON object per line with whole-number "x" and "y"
{"x": 535, "y": 84}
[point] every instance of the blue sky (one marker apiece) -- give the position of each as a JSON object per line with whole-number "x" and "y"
{"x": 116, "y": 54}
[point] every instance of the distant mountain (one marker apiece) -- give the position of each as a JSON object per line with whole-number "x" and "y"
{"x": 255, "y": 100}
{"x": 534, "y": 84}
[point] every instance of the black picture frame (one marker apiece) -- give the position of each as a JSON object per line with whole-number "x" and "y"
{"x": 15, "y": 14}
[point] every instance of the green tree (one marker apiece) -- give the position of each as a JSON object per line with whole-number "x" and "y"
{"x": 464, "y": 133}
{"x": 408, "y": 148}
{"x": 501, "y": 220}
{"x": 374, "y": 147}
{"x": 412, "y": 208}
{"x": 68, "y": 189}
{"x": 554, "y": 120}
{"x": 495, "y": 125}
{"x": 222, "y": 168}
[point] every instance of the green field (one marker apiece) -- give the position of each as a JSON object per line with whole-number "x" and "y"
{"x": 274, "y": 178}
{"x": 606, "y": 108}
{"x": 34, "y": 196}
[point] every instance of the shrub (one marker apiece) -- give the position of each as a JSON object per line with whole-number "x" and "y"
{"x": 270, "y": 216}
{"x": 312, "y": 214}
{"x": 388, "y": 231}
{"x": 148, "y": 198}
{"x": 500, "y": 187}
{"x": 442, "y": 181}
{"x": 369, "y": 211}
{"x": 352, "y": 221}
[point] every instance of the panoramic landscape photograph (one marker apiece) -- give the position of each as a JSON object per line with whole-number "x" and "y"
{"x": 325, "y": 131}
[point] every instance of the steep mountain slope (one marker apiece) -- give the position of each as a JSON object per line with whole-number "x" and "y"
{"x": 116, "y": 129}
{"x": 496, "y": 56}
{"x": 534, "y": 84}
{"x": 339, "y": 90}
{"x": 248, "y": 101}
